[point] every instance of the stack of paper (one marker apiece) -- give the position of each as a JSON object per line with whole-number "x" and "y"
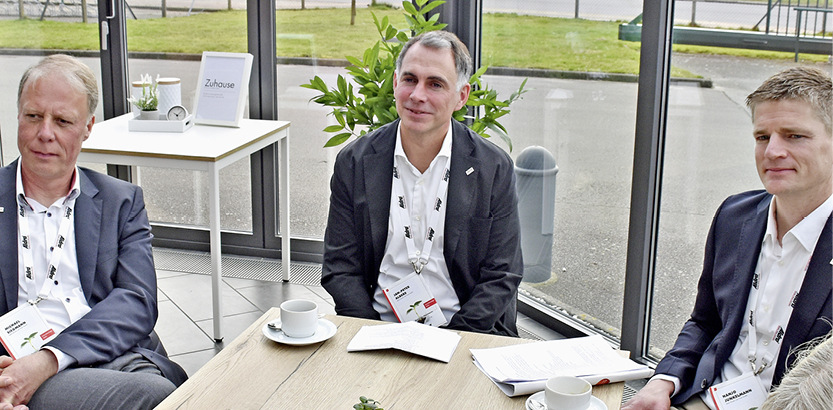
{"x": 524, "y": 368}
{"x": 412, "y": 337}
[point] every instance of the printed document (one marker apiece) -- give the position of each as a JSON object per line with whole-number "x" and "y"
{"x": 524, "y": 368}
{"x": 412, "y": 337}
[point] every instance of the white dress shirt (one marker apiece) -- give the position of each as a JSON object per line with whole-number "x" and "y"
{"x": 420, "y": 191}
{"x": 781, "y": 269}
{"x": 66, "y": 302}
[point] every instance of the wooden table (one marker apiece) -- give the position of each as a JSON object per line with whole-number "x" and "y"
{"x": 254, "y": 372}
{"x": 200, "y": 148}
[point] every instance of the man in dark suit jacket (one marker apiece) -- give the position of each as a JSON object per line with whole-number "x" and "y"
{"x": 794, "y": 156}
{"x": 109, "y": 357}
{"x": 481, "y": 239}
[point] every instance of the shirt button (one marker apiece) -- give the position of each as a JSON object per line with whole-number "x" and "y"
{"x": 418, "y": 218}
{"x": 67, "y": 299}
{"x": 49, "y": 214}
{"x": 419, "y": 253}
{"x": 51, "y": 248}
{"x": 56, "y": 282}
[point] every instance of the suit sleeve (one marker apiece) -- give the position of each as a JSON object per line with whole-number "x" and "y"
{"x": 701, "y": 328}
{"x": 495, "y": 243}
{"x": 343, "y": 275}
{"x": 123, "y": 298}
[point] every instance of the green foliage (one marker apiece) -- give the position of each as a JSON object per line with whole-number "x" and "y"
{"x": 361, "y": 111}
{"x": 367, "y": 404}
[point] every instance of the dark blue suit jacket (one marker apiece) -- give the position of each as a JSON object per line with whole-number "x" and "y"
{"x": 482, "y": 230}
{"x": 732, "y": 250}
{"x": 115, "y": 265}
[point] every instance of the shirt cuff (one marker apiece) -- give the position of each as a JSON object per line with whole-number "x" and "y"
{"x": 672, "y": 379}
{"x": 64, "y": 360}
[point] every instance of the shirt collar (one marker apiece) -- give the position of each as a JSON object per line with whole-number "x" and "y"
{"x": 22, "y": 199}
{"x": 808, "y": 230}
{"x": 445, "y": 149}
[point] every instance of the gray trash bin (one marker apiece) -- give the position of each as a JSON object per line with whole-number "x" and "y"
{"x": 535, "y": 170}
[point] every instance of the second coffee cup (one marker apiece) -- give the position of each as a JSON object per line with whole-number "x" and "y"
{"x": 299, "y": 318}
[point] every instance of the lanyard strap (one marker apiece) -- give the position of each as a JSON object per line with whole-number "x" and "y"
{"x": 759, "y": 281}
{"x": 418, "y": 259}
{"x": 67, "y": 219}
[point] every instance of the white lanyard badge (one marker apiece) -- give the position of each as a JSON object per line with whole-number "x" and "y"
{"x": 754, "y": 301}
{"x": 417, "y": 258}
{"x": 67, "y": 218}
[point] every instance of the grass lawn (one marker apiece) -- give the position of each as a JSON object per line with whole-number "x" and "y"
{"x": 559, "y": 43}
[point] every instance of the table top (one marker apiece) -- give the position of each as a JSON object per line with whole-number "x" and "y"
{"x": 255, "y": 372}
{"x": 199, "y": 143}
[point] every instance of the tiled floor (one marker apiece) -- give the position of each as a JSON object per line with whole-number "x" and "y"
{"x": 185, "y": 316}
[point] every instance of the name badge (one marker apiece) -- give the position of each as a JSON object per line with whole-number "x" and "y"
{"x": 24, "y": 331}
{"x": 411, "y": 300}
{"x": 744, "y": 392}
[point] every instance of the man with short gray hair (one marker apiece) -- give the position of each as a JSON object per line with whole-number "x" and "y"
{"x": 423, "y": 221}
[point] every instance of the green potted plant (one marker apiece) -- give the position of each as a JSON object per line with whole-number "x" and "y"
{"x": 362, "y": 111}
{"x": 148, "y": 102}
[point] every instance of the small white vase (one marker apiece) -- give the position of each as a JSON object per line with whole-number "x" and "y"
{"x": 149, "y": 115}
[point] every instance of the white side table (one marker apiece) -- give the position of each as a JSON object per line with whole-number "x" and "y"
{"x": 201, "y": 148}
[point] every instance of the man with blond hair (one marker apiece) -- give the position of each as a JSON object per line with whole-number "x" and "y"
{"x": 766, "y": 281}
{"x": 76, "y": 249}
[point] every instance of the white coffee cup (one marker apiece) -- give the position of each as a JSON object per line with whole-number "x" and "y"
{"x": 299, "y": 318}
{"x": 567, "y": 393}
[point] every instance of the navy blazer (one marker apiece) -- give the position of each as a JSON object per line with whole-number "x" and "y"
{"x": 482, "y": 230}
{"x": 115, "y": 265}
{"x": 732, "y": 250}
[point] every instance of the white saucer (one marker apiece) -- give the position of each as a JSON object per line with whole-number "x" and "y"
{"x": 538, "y": 402}
{"x": 325, "y": 330}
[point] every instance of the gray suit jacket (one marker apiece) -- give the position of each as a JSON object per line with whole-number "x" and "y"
{"x": 115, "y": 265}
{"x": 482, "y": 231}
{"x": 732, "y": 251}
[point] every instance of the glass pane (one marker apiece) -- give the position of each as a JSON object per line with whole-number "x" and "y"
{"x": 179, "y": 196}
{"x": 61, "y": 27}
{"x": 709, "y": 151}
{"x": 574, "y": 251}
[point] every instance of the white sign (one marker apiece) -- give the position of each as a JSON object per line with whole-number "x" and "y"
{"x": 223, "y": 88}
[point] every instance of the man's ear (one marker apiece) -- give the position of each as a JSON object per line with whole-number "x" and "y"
{"x": 89, "y": 127}
{"x": 464, "y": 96}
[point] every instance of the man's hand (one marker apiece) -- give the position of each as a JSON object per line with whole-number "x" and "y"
{"x": 20, "y": 378}
{"x": 656, "y": 395}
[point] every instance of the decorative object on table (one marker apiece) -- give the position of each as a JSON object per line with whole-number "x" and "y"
{"x": 148, "y": 100}
{"x": 367, "y": 404}
{"x": 361, "y": 111}
{"x": 222, "y": 89}
{"x": 170, "y": 93}
{"x": 177, "y": 113}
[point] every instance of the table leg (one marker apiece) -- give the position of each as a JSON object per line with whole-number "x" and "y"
{"x": 216, "y": 251}
{"x": 284, "y": 205}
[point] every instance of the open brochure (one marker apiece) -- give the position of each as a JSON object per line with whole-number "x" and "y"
{"x": 524, "y": 369}
{"x": 412, "y": 337}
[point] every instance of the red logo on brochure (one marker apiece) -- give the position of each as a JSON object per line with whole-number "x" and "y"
{"x": 47, "y": 334}
{"x": 430, "y": 303}
{"x": 603, "y": 381}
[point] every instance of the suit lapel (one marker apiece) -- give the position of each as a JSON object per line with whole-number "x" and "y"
{"x": 461, "y": 189}
{"x": 815, "y": 291}
{"x": 87, "y": 232}
{"x": 8, "y": 236}
{"x": 378, "y": 174}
